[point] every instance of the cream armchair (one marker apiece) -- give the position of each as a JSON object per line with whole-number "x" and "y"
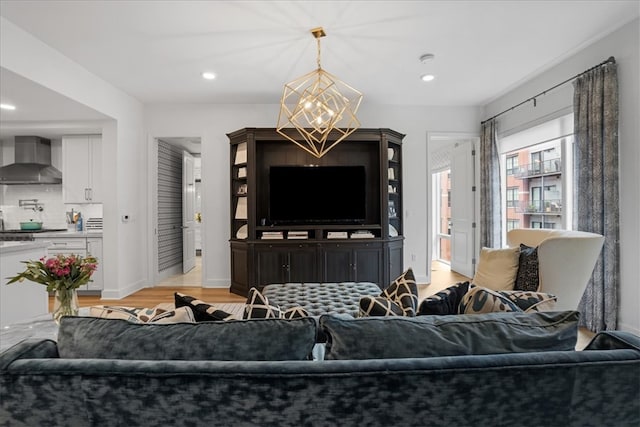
{"x": 565, "y": 260}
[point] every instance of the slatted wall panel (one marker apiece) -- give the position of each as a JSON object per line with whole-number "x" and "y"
{"x": 169, "y": 206}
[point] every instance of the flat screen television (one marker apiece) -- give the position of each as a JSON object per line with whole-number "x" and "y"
{"x": 317, "y": 194}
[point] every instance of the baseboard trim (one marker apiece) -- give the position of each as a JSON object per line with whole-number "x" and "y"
{"x": 121, "y": 293}
{"x": 216, "y": 283}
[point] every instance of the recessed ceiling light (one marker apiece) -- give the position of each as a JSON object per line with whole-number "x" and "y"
{"x": 208, "y": 75}
{"x": 7, "y": 107}
{"x": 427, "y": 77}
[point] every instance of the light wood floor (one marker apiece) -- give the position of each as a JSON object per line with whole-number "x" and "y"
{"x": 190, "y": 284}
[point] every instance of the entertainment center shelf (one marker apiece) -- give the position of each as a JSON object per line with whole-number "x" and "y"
{"x": 296, "y": 218}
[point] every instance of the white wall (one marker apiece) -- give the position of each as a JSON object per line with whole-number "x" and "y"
{"x": 624, "y": 45}
{"x": 213, "y": 122}
{"x": 123, "y": 150}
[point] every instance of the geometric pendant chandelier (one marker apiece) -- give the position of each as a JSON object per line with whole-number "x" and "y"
{"x": 320, "y": 106}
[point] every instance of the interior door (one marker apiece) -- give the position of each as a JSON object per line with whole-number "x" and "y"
{"x": 188, "y": 213}
{"x": 462, "y": 208}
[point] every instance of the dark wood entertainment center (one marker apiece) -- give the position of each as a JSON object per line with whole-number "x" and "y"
{"x": 263, "y": 253}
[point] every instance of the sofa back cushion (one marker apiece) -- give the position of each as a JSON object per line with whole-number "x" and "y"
{"x": 259, "y": 339}
{"x": 450, "y": 335}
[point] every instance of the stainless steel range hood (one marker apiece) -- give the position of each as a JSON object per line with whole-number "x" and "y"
{"x": 32, "y": 164}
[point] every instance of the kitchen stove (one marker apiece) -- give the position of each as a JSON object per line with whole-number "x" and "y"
{"x": 24, "y": 235}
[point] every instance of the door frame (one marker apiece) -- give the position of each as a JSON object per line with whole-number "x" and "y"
{"x": 436, "y": 141}
{"x": 153, "y": 274}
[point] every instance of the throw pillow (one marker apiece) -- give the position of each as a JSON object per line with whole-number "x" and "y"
{"x": 497, "y": 268}
{"x": 143, "y": 315}
{"x": 445, "y": 301}
{"x": 258, "y": 307}
{"x": 295, "y": 313}
{"x": 451, "y": 335}
{"x": 202, "y": 311}
{"x": 482, "y": 300}
{"x": 378, "y": 306}
{"x": 531, "y": 301}
{"x": 404, "y": 292}
{"x": 527, "y": 278}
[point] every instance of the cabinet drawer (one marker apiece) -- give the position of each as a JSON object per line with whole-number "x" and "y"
{"x": 67, "y": 244}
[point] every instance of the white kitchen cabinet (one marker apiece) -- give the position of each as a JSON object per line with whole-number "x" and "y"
{"x": 82, "y": 169}
{"x": 94, "y": 248}
{"x": 82, "y": 245}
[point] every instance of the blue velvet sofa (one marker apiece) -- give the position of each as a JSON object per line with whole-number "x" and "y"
{"x": 497, "y": 369}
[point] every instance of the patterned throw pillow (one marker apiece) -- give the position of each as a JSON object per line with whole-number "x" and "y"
{"x": 399, "y": 299}
{"x": 378, "y": 306}
{"x": 143, "y": 315}
{"x": 482, "y": 300}
{"x": 404, "y": 292}
{"x": 445, "y": 301}
{"x": 527, "y": 278}
{"x": 202, "y": 311}
{"x": 258, "y": 307}
{"x": 295, "y": 313}
{"x": 530, "y": 302}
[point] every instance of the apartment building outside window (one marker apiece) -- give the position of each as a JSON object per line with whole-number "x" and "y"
{"x": 443, "y": 208}
{"x": 536, "y": 185}
{"x": 513, "y": 197}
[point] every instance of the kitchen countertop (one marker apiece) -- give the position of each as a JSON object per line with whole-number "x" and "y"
{"x": 90, "y": 233}
{"x": 11, "y": 247}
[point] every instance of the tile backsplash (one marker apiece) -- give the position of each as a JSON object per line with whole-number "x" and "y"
{"x": 50, "y": 197}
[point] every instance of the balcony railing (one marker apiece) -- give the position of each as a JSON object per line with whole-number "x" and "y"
{"x": 548, "y": 167}
{"x": 552, "y": 207}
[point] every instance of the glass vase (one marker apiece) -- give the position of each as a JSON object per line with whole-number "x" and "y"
{"x": 65, "y": 303}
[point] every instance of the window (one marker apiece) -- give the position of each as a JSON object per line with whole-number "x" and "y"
{"x": 537, "y": 194}
{"x": 512, "y": 197}
{"x": 442, "y": 184}
{"x": 512, "y": 165}
{"x": 513, "y": 224}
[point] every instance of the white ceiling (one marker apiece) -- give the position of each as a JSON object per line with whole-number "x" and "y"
{"x": 156, "y": 50}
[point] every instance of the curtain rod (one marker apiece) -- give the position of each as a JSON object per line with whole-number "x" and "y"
{"x": 610, "y": 60}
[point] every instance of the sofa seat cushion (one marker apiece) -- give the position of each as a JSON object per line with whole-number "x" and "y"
{"x": 425, "y": 336}
{"x": 260, "y": 339}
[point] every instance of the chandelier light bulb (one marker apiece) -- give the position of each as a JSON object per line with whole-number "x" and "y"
{"x": 427, "y": 77}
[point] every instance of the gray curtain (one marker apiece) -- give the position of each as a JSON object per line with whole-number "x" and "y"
{"x": 490, "y": 209}
{"x": 595, "y": 106}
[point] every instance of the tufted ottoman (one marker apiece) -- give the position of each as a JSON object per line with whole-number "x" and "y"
{"x": 320, "y": 298}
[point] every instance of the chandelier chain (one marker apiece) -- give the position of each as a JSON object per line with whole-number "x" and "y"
{"x": 318, "y": 60}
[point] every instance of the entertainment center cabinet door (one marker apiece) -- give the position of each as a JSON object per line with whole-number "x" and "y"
{"x": 360, "y": 262}
{"x": 290, "y": 264}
